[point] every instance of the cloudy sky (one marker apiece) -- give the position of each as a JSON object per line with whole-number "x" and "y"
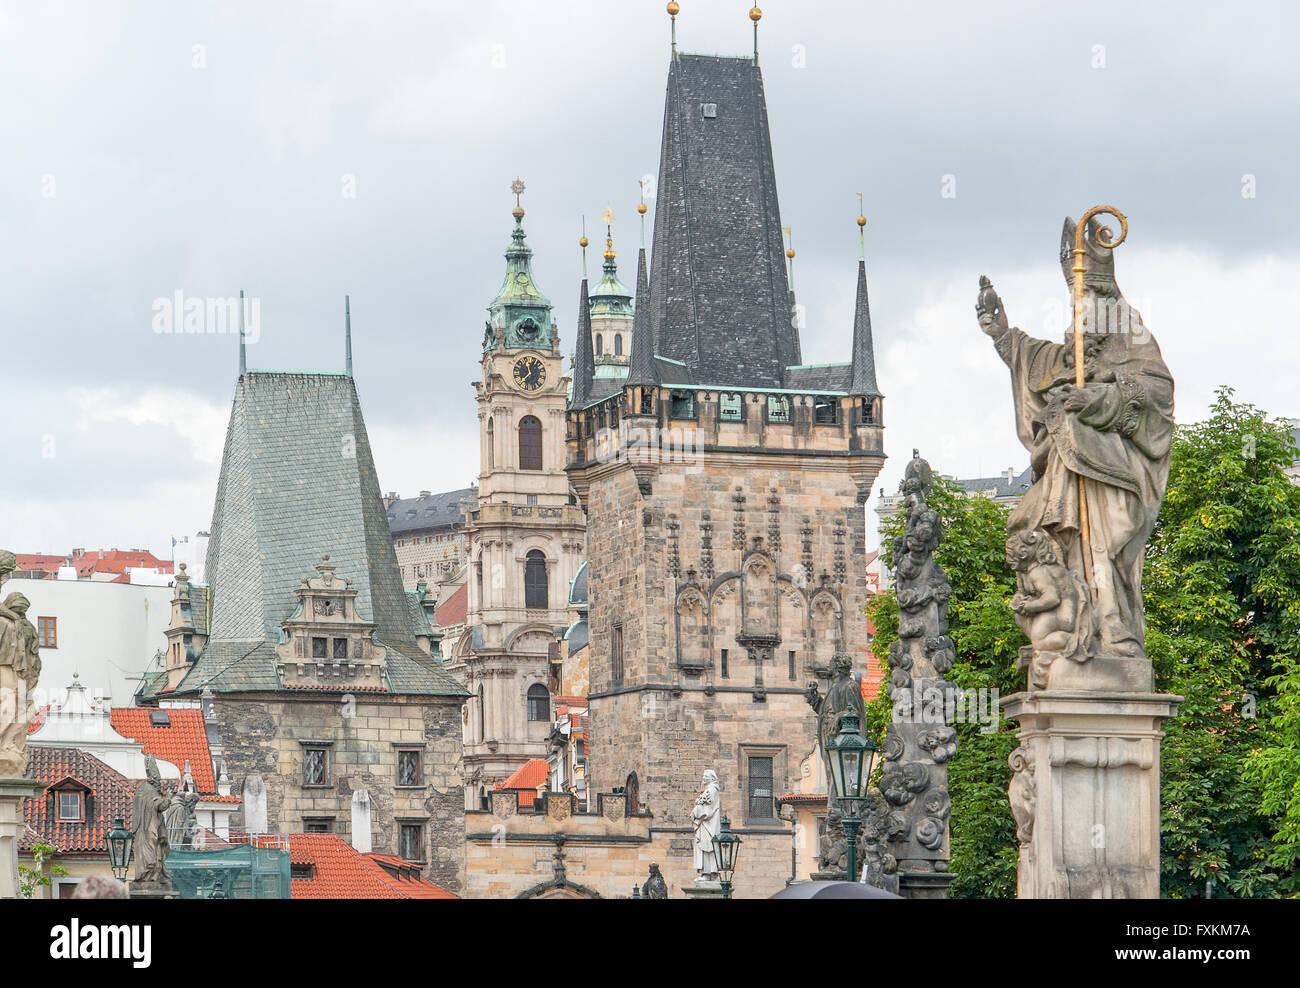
{"x": 301, "y": 151}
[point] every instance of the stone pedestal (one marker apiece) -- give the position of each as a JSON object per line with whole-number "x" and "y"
{"x": 1086, "y": 792}
{"x": 14, "y": 792}
{"x": 924, "y": 884}
{"x": 703, "y": 890}
{"x": 151, "y": 893}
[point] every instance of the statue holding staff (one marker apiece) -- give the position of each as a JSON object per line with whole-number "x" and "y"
{"x": 1096, "y": 414}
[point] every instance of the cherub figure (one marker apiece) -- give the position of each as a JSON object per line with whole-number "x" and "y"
{"x": 1051, "y": 603}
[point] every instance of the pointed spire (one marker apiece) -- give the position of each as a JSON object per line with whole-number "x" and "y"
{"x": 864, "y": 357}
{"x": 584, "y": 363}
{"x": 673, "y": 8}
{"x": 347, "y": 332}
{"x": 755, "y": 15}
{"x": 641, "y": 364}
{"x": 243, "y": 352}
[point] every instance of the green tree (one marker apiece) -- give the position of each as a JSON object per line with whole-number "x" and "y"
{"x": 1222, "y": 595}
{"x": 30, "y": 879}
{"x": 973, "y": 552}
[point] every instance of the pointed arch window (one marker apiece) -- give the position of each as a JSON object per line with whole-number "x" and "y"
{"x": 536, "y": 595}
{"x": 530, "y": 443}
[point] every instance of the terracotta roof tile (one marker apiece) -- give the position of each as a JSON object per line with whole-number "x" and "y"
{"x": 183, "y": 739}
{"x": 453, "y": 609}
{"x": 339, "y": 871}
{"x": 527, "y": 778}
{"x": 110, "y": 793}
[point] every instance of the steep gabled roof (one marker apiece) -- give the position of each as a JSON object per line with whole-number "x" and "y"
{"x": 721, "y": 298}
{"x": 298, "y": 481}
{"x": 110, "y": 793}
{"x": 182, "y": 739}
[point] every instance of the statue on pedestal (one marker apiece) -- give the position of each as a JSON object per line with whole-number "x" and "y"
{"x": 1098, "y": 438}
{"x": 843, "y": 696}
{"x": 20, "y": 668}
{"x": 706, "y": 818}
{"x": 149, "y": 823}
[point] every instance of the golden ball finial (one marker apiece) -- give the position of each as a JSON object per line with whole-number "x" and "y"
{"x": 583, "y": 242}
{"x": 755, "y": 15}
{"x": 862, "y": 220}
{"x": 789, "y": 252}
{"x": 673, "y": 8}
{"x": 640, "y": 208}
{"x": 517, "y": 212}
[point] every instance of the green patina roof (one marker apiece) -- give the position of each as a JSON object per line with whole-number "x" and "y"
{"x": 611, "y": 297}
{"x": 298, "y": 481}
{"x": 518, "y": 288}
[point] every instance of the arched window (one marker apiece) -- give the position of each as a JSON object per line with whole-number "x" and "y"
{"x": 600, "y": 344}
{"x": 539, "y": 702}
{"x": 491, "y": 446}
{"x": 530, "y": 443}
{"x": 618, "y": 344}
{"x": 482, "y": 720}
{"x": 535, "y": 588}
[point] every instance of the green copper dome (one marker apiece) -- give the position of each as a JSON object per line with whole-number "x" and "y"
{"x": 611, "y": 297}
{"x": 520, "y": 310}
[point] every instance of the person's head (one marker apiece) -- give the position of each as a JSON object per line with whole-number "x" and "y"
{"x": 18, "y": 603}
{"x": 99, "y": 887}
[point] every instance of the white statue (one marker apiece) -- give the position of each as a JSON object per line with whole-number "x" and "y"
{"x": 20, "y": 667}
{"x": 706, "y": 816}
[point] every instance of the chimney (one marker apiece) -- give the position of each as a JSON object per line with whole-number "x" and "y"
{"x": 1009, "y": 474}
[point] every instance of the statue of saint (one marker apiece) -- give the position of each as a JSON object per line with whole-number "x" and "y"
{"x": 655, "y": 886}
{"x": 150, "y": 829}
{"x": 706, "y": 817}
{"x": 20, "y": 667}
{"x": 1114, "y": 432}
{"x": 182, "y": 826}
{"x": 843, "y": 696}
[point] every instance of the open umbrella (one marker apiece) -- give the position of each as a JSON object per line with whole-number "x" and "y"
{"x": 833, "y": 890}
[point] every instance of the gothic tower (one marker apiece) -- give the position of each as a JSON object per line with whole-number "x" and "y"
{"x": 724, "y": 482}
{"x": 525, "y": 533}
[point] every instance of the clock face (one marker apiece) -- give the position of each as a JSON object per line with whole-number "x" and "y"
{"x": 530, "y": 373}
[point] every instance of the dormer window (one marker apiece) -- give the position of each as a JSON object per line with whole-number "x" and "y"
{"x": 70, "y": 807}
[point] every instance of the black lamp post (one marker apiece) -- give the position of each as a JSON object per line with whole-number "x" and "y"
{"x": 853, "y": 758}
{"x": 728, "y": 845}
{"x": 119, "y": 841}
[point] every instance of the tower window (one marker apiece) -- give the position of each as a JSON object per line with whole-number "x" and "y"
{"x": 792, "y": 666}
{"x": 408, "y": 767}
{"x": 535, "y": 584}
{"x": 682, "y": 405}
{"x": 730, "y": 408}
{"x": 618, "y": 344}
{"x": 539, "y": 703}
{"x": 761, "y": 802}
{"x": 616, "y": 655}
{"x": 530, "y": 443}
{"x": 600, "y": 344}
{"x": 778, "y": 408}
{"x": 826, "y": 411}
{"x": 722, "y": 668}
{"x": 868, "y": 411}
{"x": 410, "y": 840}
{"x": 491, "y": 446}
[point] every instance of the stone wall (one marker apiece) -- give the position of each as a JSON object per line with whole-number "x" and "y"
{"x": 509, "y": 854}
{"x": 263, "y": 734}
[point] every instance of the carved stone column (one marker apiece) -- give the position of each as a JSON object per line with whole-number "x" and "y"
{"x": 1086, "y": 793}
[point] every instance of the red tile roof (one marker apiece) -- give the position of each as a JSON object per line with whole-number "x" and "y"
{"x": 527, "y": 777}
{"x": 453, "y": 609}
{"x": 405, "y": 877}
{"x": 184, "y": 738}
{"x": 816, "y": 798}
{"x": 339, "y": 871}
{"x": 110, "y": 793}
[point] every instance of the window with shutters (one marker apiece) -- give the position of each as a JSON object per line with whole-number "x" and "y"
{"x": 536, "y": 594}
{"x": 530, "y": 443}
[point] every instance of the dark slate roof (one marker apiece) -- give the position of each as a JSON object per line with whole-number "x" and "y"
{"x": 416, "y": 613}
{"x": 1000, "y": 485}
{"x": 819, "y": 377}
{"x": 199, "y": 607}
{"x": 584, "y": 362}
{"x": 298, "y": 481}
{"x": 719, "y": 290}
{"x": 642, "y": 369}
{"x": 864, "y": 356}
{"x": 422, "y": 514}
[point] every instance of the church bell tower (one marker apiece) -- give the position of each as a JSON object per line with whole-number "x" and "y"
{"x": 525, "y": 534}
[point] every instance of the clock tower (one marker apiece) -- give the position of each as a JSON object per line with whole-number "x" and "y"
{"x": 525, "y": 533}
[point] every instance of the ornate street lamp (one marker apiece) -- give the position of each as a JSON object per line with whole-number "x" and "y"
{"x": 853, "y": 759}
{"x": 119, "y": 841}
{"x": 728, "y": 845}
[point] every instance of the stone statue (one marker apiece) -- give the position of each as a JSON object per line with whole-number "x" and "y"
{"x": 706, "y": 818}
{"x": 655, "y": 886}
{"x": 843, "y": 696}
{"x": 20, "y": 668}
{"x": 1114, "y": 432}
{"x": 1051, "y": 604}
{"x": 904, "y": 838}
{"x": 150, "y": 829}
{"x": 181, "y": 824}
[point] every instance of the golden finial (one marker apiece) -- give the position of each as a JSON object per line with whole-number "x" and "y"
{"x": 673, "y": 8}
{"x": 789, "y": 254}
{"x": 862, "y": 224}
{"x": 517, "y": 187}
{"x": 755, "y": 15}
{"x": 640, "y": 208}
{"x": 582, "y": 242}
{"x": 608, "y": 217}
